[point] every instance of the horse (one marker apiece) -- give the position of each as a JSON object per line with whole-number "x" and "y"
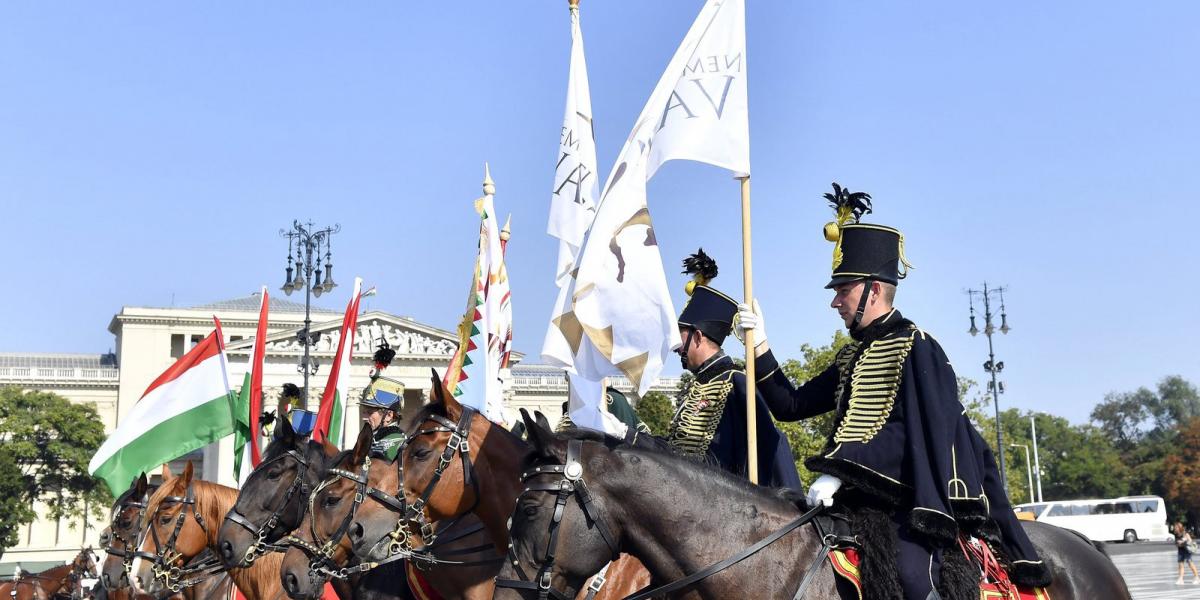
{"x": 679, "y": 517}
{"x": 321, "y": 548}
{"x": 51, "y": 583}
{"x": 273, "y": 500}
{"x": 179, "y": 528}
{"x": 120, "y": 538}
{"x": 484, "y": 479}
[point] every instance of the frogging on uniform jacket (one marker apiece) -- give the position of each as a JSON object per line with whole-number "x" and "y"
{"x": 902, "y": 437}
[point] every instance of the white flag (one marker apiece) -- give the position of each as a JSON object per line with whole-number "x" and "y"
{"x": 616, "y": 314}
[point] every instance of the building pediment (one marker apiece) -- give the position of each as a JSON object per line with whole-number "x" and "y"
{"x": 405, "y": 336}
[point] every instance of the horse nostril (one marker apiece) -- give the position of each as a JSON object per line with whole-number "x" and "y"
{"x": 291, "y": 583}
{"x": 227, "y": 550}
{"x": 356, "y": 532}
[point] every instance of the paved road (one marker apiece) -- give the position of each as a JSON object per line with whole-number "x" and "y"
{"x": 1149, "y": 569}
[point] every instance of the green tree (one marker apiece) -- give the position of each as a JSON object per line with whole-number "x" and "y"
{"x": 807, "y": 437}
{"x": 655, "y": 410}
{"x": 1181, "y": 472}
{"x": 48, "y": 440}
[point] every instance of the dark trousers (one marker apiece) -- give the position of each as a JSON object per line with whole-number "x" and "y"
{"x": 920, "y": 568}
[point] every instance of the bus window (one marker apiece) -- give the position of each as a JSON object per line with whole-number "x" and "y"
{"x": 1060, "y": 510}
{"x": 1081, "y": 510}
{"x": 1147, "y": 506}
{"x": 1123, "y": 508}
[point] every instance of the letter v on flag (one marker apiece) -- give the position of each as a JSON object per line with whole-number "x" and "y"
{"x": 186, "y": 408}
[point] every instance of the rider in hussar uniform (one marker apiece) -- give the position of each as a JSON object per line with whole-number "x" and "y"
{"x": 710, "y": 422}
{"x": 903, "y": 457}
{"x": 381, "y": 404}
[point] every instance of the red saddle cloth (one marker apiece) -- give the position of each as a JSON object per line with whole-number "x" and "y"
{"x": 417, "y": 583}
{"x": 994, "y": 583}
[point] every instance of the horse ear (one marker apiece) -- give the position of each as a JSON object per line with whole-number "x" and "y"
{"x": 542, "y": 420}
{"x": 363, "y": 445}
{"x": 139, "y": 486}
{"x": 540, "y": 437}
{"x": 166, "y": 472}
{"x": 441, "y": 394}
{"x": 186, "y": 477}
{"x": 283, "y": 427}
{"x": 328, "y": 448}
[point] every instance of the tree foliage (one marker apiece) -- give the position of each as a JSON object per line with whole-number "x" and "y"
{"x": 1181, "y": 472}
{"x": 48, "y": 441}
{"x": 807, "y": 437}
{"x": 655, "y": 410}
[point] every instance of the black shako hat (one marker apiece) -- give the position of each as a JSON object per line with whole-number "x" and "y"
{"x": 708, "y": 310}
{"x": 862, "y": 250}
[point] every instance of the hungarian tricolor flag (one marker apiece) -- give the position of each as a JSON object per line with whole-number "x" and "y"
{"x": 249, "y": 405}
{"x": 186, "y": 408}
{"x": 333, "y": 400}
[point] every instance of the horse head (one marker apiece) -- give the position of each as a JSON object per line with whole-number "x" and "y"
{"x": 121, "y": 537}
{"x": 174, "y": 532}
{"x": 273, "y": 500}
{"x": 319, "y": 547}
{"x": 562, "y": 507}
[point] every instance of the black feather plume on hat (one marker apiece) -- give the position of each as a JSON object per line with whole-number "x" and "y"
{"x": 290, "y": 390}
{"x": 701, "y": 267}
{"x": 849, "y": 206}
{"x": 383, "y": 356}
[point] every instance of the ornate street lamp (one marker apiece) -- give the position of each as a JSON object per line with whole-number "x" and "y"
{"x": 300, "y": 270}
{"x": 992, "y": 366}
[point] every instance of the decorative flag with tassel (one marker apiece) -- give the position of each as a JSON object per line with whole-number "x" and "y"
{"x": 337, "y": 388}
{"x": 485, "y": 332}
{"x": 246, "y": 437}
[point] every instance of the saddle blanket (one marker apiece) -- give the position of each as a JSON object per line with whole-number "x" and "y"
{"x": 845, "y": 564}
{"x": 419, "y": 586}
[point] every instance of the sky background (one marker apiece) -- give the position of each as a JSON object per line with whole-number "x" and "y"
{"x": 150, "y": 153}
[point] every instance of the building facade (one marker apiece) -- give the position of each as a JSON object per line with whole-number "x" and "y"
{"x": 149, "y": 339}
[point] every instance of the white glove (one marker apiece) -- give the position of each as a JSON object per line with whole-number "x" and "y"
{"x": 822, "y": 490}
{"x": 750, "y": 320}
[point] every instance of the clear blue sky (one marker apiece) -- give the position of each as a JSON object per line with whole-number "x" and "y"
{"x": 150, "y": 152}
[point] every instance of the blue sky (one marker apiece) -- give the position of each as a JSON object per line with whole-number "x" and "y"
{"x": 149, "y": 154}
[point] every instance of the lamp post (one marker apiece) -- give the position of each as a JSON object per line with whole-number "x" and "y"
{"x": 1037, "y": 465}
{"x": 1028, "y": 467}
{"x": 992, "y": 366}
{"x": 308, "y": 242}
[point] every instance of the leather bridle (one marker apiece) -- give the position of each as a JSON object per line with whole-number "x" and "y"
{"x": 457, "y": 444}
{"x": 569, "y": 483}
{"x": 129, "y": 551}
{"x": 176, "y": 578}
{"x": 261, "y": 533}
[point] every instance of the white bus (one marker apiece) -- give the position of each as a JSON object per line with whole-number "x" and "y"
{"x": 1130, "y": 518}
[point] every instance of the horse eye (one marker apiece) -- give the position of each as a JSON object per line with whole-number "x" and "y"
{"x": 531, "y": 511}
{"x": 274, "y": 475}
{"x": 422, "y": 453}
{"x": 332, "y": 500}
{"x": 165, "y": 519}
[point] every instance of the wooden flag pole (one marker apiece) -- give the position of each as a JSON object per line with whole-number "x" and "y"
{"x": 748, "y": 284}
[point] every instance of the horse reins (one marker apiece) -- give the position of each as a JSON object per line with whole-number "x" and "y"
{"x": 571, "y": 483}
{"x": 261, "y": 546}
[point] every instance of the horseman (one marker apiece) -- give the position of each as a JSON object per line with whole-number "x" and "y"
{"x": 381, "y": 405}
{"x": 710, "y": 422}
{"x": 902, "y": 457}
{"x": 617, "y": 405}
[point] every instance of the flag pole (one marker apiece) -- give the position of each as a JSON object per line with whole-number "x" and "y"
{"x": 748, "y": 284}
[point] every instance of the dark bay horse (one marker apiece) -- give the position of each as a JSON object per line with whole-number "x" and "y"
{"x": 64, "y": 581}
{"x": 679, "y": 517}
{"x": 181, "y": 520}
{"x": 320, "y": 545}
{"x": 483, "y": 479}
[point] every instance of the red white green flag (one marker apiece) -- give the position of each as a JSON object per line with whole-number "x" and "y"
{"x": 337, "y": 388}
{"x": 249, "y": 404}
{"x": 186, "y": 408}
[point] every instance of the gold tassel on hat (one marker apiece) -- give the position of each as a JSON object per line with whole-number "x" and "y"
{"x": 847, "y": 207}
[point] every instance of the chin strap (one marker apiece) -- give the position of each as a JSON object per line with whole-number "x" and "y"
{"x": 687, "y": 347}
{"x": 862, "y": 304}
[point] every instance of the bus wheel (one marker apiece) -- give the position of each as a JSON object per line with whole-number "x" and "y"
{"x": 1130, "y": 536}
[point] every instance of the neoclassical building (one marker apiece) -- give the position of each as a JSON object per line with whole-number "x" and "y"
{"x": 150, "y": 339}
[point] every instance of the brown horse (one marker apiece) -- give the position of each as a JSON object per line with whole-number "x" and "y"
{"x": 483, "y": 479}
{"x": 181, "y": 524}
{"x": 597, "y": 498}
{"x": 64, "y": 581}
{"x": 320, "y": 547}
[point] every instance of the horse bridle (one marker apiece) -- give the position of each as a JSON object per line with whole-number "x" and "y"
{"x": 71, "y": 580}
{"x": 127, "y": 554}
{"x": 176, "y": 578}
{"x": 320, "y": 552}
{"x": 570, "y": 483}
{"x": 457, "y": 444}
{"x": 260, "y": 545}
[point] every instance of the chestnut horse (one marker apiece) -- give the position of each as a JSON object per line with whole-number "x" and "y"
{"x": 64, "y": 581}
{"x": 482, "y": 476}
{"x": 181, "y": 520}
{"x": 679, "y": 517}
{"x": 320, "y": 547}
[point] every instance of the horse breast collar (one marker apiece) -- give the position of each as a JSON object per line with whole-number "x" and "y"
{"x": 260, "y": 546}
